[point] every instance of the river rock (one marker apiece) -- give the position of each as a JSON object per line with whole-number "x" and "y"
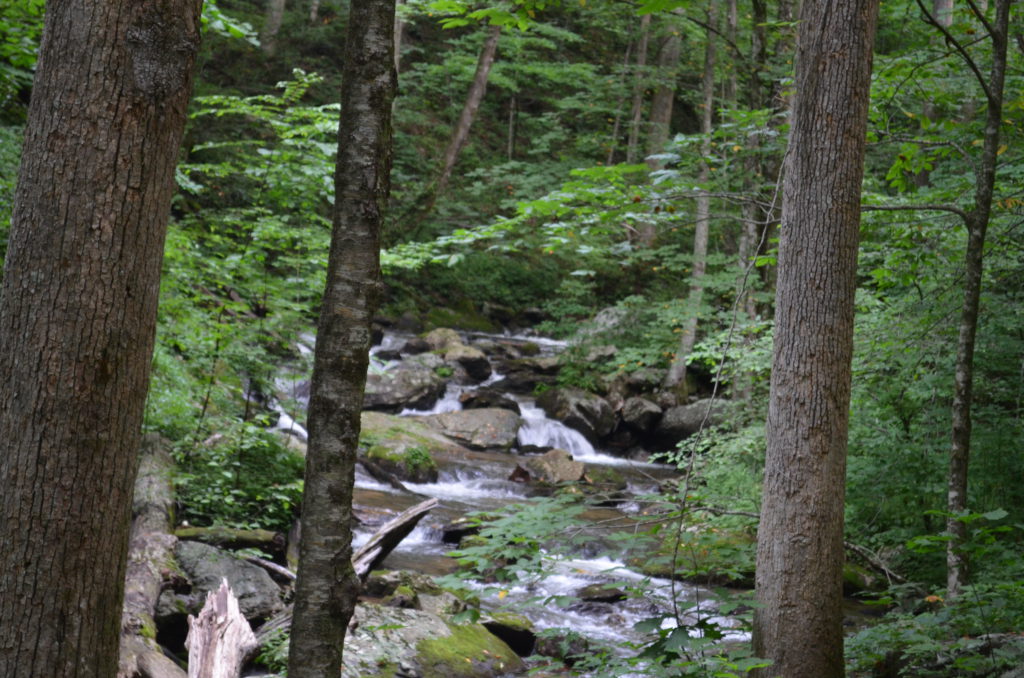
{"x": 589, "y": 414}
{"x": 415, "y": 346}
{"x": 441, "y": 338}
{"x": 410, "y": 463}
{"x": 640, "y": 414}
{"x": 258, "y": 596}
{"x": 389, "y": 641}
{"x": 679, "y": 423}
{"x": 482, "y": 429}
{"x": 556, "y": 466}
{"x": 407, "y": 385}
{"x": 525, "y": 374}
{"x": 470, "y": 359}
{"x": 488, "y": 397}
{"x": 599, "y": 593}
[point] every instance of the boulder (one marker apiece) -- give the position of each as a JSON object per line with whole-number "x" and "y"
{"x": 205, "y": 566}
{"x": 488, "y": 397}
{"x": 391, "y": 641}
{"x": 589, "y": 414}
{"x": 640, "y": 414}
{"x": 600, "y": 593}
{"x": 523, "y": 375}
{"x": 409, "y": 385}
{"x": 556, "y": 466}
{"x": 470, "y": 359}
{"x": 406, "y": 462}
{"x": 481, "y": 429}
{"x": 679, "y": 423}
{"x": 441, "y": 338}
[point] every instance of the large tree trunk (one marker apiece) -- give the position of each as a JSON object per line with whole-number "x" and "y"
{"x": 676, "y": 376}
{"x": 327, "y": 585}
{"x": 78, "y": 319}
{"x": 798, "y": 624}
{"x": 469, "y": 110}
{"x": 977, "y": 225}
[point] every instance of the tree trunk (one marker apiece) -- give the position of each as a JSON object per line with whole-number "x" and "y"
{"x": 271, "y": 26}
{"x": 664, "y": 95}
{"x": 327, "y": 585}
{"x": 613, "y": 146}
{"x": 977, "y": 225}
{"x": 676, "y": 376}
{"x": 469, "y": 110}
{"x": 639, "y": 86}
{"x": 78, "y": 319}
{"x": 798, "y": 624}
{"x": 150, "y": 555}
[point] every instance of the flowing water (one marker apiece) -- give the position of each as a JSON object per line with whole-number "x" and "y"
{"x": 481, "y": 482}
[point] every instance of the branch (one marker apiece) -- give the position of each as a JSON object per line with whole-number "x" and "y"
{"x": 915, "y": 208}
{"x": 981, "y": 17}
{"x": 872, "y": 560}
{"x": 960, "y": 49}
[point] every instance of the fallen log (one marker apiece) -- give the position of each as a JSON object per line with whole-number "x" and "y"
{"x": 229, "y": 538}
{"x": 220, "y": 638}
{"x": 150, "y": 562}
{"x": 390, "y": 535}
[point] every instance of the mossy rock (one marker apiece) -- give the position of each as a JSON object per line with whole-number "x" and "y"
{"x": 411, "y": 463}
{"x": 388, "y": 641}
{"x": 471, "y": 651}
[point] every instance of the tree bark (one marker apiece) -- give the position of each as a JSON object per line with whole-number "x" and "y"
{"x": 271, "y": 26}
{"x": 977, "y": 225}
{"x": 676, "y": 376}
{"x": 78, "y": 319}
{"x": 150, "y": 555}
{"x": 639, "y": 86}
{"x": 664, "y": 95}
{"x": 798, "y": 624}
{"x": 327, "y": 585}
{"x": 469, "y": 110}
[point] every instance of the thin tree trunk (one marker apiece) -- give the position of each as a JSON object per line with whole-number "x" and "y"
{"x": 664, "y": 95}
{"x": 326, "y": 589}
{"x": 272, "y": 26}
{"x": 78, "y": 320}
{"x": 613, "y": 146}
{"x": 639, "y": 86}
{"x": 510, "y": 144}
{"x": 314, "y": 11}
{"x": 399, "y": 35}
{"x": 469, "y": 110}
{"x": 977, "y": 225}
{"x": 798, "y": 624}
{"x": 676, "y": 376}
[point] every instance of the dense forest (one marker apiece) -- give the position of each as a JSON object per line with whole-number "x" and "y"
{"x": 582, "y": 242}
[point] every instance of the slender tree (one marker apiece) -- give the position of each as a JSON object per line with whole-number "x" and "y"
{"x": 800, "y": 539}
{"x": 327, "y": 584}
{"x": 639, "y": 87}
{"x": 77, "y": 321}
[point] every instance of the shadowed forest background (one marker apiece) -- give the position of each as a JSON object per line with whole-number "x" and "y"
{"x": 616, "y": 188}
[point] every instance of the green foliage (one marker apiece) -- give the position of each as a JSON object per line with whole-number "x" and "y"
{"x": 10, "y": 157}
{"x": 927, "y": 636}
{"x": 243, "y": 478}
{"x": 274, "y": 654}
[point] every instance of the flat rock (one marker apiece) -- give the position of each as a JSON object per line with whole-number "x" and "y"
{"x": 481, "y": 429}
{"x": 556, "y": 466}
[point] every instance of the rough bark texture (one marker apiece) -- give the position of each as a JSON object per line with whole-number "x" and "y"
{"x": 800, "y": 540}
{"x": 469, "y": 110}
{"x": 150, "y": 555}
{"x": 977, "y": 225}
{"x": 327, "y": 586}
{"x": 78, "y": 319}
{"x": 676, "y": 374}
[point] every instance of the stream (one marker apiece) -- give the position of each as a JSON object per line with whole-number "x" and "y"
{"x": 479, "y": 481}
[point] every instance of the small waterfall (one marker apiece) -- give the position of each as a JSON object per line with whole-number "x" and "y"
{"x": 538, "y": 430}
